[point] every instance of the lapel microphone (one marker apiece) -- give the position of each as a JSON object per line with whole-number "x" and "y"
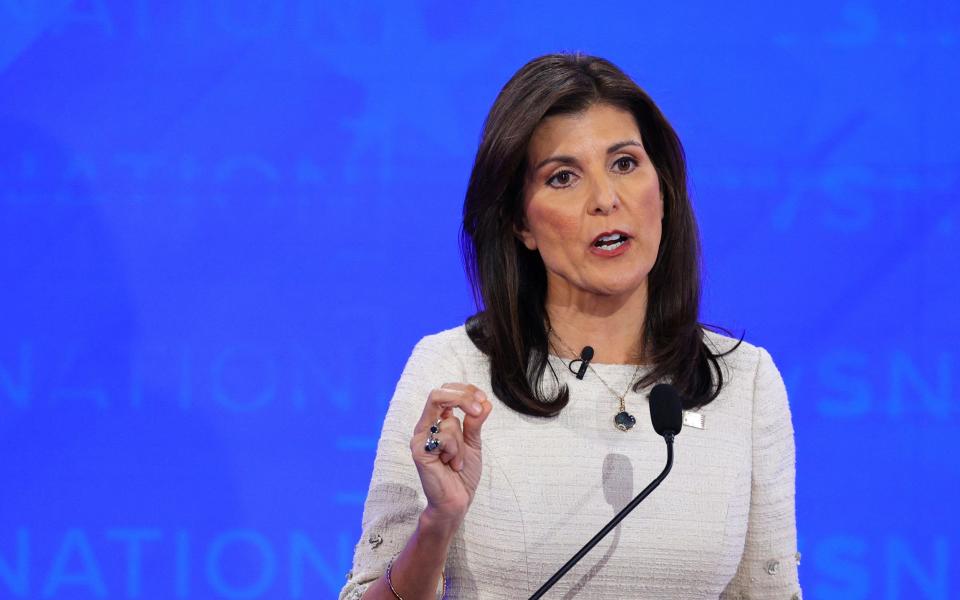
{"x": 586, "y": 355}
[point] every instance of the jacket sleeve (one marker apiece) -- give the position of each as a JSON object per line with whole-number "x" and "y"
{"x": 768, "y": 566}
{"x": 395, "y": 498}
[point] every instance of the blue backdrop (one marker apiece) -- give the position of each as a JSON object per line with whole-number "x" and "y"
{"x": 225, "y": 224}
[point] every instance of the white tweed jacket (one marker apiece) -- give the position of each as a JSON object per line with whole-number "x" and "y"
{"x": 722, "y": 525}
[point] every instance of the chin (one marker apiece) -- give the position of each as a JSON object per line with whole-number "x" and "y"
{"x": 628, "y": 287}
{"x": 619, "y": 288}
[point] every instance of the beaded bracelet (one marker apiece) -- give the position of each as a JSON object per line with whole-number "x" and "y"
{"x": 443, "y": 578}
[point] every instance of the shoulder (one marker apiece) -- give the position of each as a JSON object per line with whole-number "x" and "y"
{"x": 452, "y": 348}
{"x": 448, "y": 338}
{"x": 453, "y": 342}
{"x": 436, "y": 359}
{"x": 751, "y": 380}
{"x": 740, "y": 357}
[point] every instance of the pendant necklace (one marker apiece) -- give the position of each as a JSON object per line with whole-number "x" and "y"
{"x": 622, "y": 420}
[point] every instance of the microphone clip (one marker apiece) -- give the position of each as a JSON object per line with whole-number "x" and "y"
{"x": 586, "y": 355}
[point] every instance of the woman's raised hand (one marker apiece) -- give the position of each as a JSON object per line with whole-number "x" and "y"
{"x": 450, "y": 473}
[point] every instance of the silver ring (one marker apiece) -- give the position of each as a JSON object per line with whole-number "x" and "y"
{"x": 432, "y": 444}
{"x": 435, "y": 428}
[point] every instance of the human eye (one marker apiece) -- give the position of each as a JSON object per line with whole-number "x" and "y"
{"x": 562, "y": 178}
{"x": 625, "y": 164}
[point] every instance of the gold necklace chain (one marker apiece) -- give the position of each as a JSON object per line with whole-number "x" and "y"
{"x": 623, "y": 420}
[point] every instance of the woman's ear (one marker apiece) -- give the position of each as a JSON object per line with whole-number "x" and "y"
{"x": 523, "y": 234}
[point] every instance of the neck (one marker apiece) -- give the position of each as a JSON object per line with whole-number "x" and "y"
{"x": 611, "y": 325}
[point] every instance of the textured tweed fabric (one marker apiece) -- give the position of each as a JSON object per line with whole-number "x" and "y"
{"x": 721, "y": 525}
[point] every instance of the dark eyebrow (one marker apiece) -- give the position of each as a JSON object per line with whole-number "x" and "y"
{"x": 568, "y": 160}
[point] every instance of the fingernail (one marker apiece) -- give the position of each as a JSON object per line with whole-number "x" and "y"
{"x": 477, "y": 409}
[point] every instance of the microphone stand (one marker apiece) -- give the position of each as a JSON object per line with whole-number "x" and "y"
{"x": 668, "y": 436}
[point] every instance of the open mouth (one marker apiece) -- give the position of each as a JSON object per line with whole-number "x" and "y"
{"x": 611, "y": 241}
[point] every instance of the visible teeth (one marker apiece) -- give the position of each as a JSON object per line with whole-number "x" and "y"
{"x": 614, "y": 245}
{"x": 610, "y": 241}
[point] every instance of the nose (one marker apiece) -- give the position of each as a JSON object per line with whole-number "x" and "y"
{"x": 604, "y": 198}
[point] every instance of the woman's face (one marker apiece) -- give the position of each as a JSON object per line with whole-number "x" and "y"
{"x": 592, "y": 205}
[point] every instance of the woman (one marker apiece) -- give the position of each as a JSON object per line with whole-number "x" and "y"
{"x": 578, "y": 232}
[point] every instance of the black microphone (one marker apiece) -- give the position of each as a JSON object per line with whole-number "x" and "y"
{"x": 666, "y": 411}
{"x": 586, "y": 355}
{"x": 666, "y": 414}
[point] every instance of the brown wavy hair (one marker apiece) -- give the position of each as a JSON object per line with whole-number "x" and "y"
{"x": 509, "y": 281}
